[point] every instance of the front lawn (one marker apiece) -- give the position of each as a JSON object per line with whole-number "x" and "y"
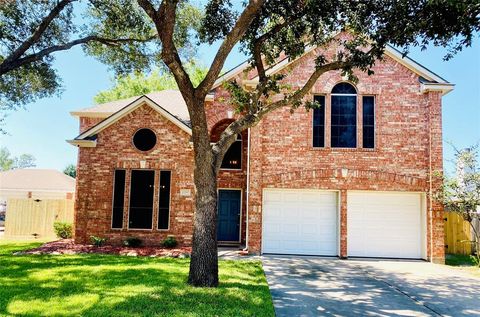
{"x": 108, "y": 285}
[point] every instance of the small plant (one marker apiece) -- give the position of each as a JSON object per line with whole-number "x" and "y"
{"x": 98, "y": 241}
{"x": 132, "y": 242}
{"x": 63, "y": 230}
{"x": 170, "y": 242}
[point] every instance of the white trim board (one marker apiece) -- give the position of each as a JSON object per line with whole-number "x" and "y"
{"x": 144, "y": 100}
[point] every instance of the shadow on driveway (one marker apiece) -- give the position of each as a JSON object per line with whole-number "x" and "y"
{"x": 314, "y": 286}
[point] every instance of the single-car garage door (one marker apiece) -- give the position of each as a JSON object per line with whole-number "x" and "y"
{"x": 299, "y": 222}
{"x": 382, "y": 224}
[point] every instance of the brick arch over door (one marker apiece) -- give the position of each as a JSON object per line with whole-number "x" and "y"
{"x": 218, "y": 128}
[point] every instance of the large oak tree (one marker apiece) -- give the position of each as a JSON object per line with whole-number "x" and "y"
{"x": 267, "y": 30}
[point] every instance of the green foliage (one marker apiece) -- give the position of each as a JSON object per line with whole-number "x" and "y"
{"x": 98, "y": 241}
{"x": 170, "y": 242}
{"x": 7, "y": 162}
{"x": 92, "y": 285}
{"x": 132, "y": 242}
{"x": 140, "y": 84}
{"x": 461, "y": 194}
{"x": 116, "y": 32}
{"x": 18, "y": 19}
{"x": 284, "y": 29}
{"x": 63, "y": 230}
{"x": 70, "y": 170}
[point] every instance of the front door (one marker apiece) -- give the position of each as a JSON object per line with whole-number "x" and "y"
{"x": 228, "y": 219}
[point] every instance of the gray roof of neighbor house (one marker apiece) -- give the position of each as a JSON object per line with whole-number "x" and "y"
{"x": 32, "y": 179}
{"x": 170, "y": 100}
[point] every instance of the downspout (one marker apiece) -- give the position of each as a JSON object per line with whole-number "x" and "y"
{"x": 248, "y": 189}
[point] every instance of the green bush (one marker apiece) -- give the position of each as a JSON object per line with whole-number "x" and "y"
{"x": 98, "y": 241}
{"x": 170, "y": 242}
{"x": 132, "y": 242}
{"x": 63, "y": 230}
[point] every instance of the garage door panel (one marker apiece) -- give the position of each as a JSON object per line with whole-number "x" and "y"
{"x": 384, "y": 224}
{"x": 299, "y": 222}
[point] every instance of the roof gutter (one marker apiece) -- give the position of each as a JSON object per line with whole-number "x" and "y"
{"x": 83, "y": 143}
{"x": 443, "y": 88}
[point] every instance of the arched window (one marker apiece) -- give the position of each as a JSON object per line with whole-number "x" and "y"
{"x": 344, "y": 116}
{"x": 233, "y": 156}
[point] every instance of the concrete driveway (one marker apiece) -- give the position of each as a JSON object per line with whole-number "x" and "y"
{"x": 314, "y": 286}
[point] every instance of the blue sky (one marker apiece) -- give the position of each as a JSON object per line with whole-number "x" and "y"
{"x": 44, "y": 126}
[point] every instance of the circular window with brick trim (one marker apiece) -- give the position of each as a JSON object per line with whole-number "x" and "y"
{"x": 144, "y": 139}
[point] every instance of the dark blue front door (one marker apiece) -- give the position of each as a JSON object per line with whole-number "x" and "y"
{"x": 228, "y": 219}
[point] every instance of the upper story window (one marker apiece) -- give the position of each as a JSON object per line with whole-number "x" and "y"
{"x": 368, "y": 132}
{"x": 233, "y": 156}
{"x": 344, "y": 116}
{"x": 319, "y": 122}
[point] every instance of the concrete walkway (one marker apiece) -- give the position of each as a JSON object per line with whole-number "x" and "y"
{"x": 313, "y": 286}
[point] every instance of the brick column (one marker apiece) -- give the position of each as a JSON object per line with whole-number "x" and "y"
{"x": 343, "y": 223}
{"x": 255, "y": 194}
{"x": 435, "y": 214}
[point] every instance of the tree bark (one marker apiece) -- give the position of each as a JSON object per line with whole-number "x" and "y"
{"x": 204, "y": 259}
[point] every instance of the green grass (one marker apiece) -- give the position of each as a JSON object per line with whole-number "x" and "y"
{"x": 107, "y": 285}
{"x": 459, "y": 260}
{"x": 463, "y": 262}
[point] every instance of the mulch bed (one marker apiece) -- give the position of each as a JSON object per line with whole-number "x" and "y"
{"x": 67, "y": 246}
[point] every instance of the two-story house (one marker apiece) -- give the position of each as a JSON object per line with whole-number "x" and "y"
{"x": 355, "y": 177}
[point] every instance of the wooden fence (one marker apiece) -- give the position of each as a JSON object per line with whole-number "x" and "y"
{"x": 458, "y": 233}
{"x": 29, "y": 218}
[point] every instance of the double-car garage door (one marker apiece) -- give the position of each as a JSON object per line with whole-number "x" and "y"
{"x": 306, "y": 222}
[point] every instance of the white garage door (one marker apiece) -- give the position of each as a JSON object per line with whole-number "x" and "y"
{"x": 299, "y": 222}
{"x": 384, "y": 225}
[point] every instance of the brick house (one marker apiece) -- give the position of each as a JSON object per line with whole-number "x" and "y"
{"x": 353, "y": 178}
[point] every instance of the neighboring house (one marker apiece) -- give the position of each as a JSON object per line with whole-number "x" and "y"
{"x": 35, "y": 183}
{"x": 353, "y": 178}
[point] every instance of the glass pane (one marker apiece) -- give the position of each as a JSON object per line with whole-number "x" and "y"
{"x": 344, "y": 88}
{"x": 164, "y": 200}
{"x": 344, "y": 121}
{"x": 319, "y": 123}
{"x": 368, "y": 121}
{"x": 141, "y": 199}
{"x": 118, "y": 199}
{"x": 233, "y": 157}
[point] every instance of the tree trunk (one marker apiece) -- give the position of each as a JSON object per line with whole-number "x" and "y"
{"x": 204, "y": 259}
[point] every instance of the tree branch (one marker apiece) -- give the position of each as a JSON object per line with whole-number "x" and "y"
{"x": 252, "y": 118}
{"x": 164, "y": 19}
{"x": 299, "y": 94}
{"x": 38, "y": 31}
{"x": 229, "y": 42}
{"x": 7, "y": 66}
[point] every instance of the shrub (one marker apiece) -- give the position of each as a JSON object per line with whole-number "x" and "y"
{"x": 63, "y": 230}
{"x": 132, "y": 242}
{"x": 170, "y": 242}
{"x": 98, "y": 241}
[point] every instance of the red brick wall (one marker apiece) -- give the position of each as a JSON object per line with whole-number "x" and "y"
{"x": 87, "y": 123}
{"x": 408, "y": 151}
{"x": 282, "y": 154}
{"x": 114, "y": 150}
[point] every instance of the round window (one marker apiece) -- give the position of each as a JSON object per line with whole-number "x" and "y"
{"x": 144, "y": 139}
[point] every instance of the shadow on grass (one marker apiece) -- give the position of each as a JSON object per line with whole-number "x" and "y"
{"x": 107, "y": 285}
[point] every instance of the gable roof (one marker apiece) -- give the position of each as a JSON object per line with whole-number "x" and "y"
{"x": 180, "y": 118}
{"x": 36, "y": 179}
{"x": 430, "y": 81}
{"x": 170, "y": 103}
{"x": 170, "y": 100}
